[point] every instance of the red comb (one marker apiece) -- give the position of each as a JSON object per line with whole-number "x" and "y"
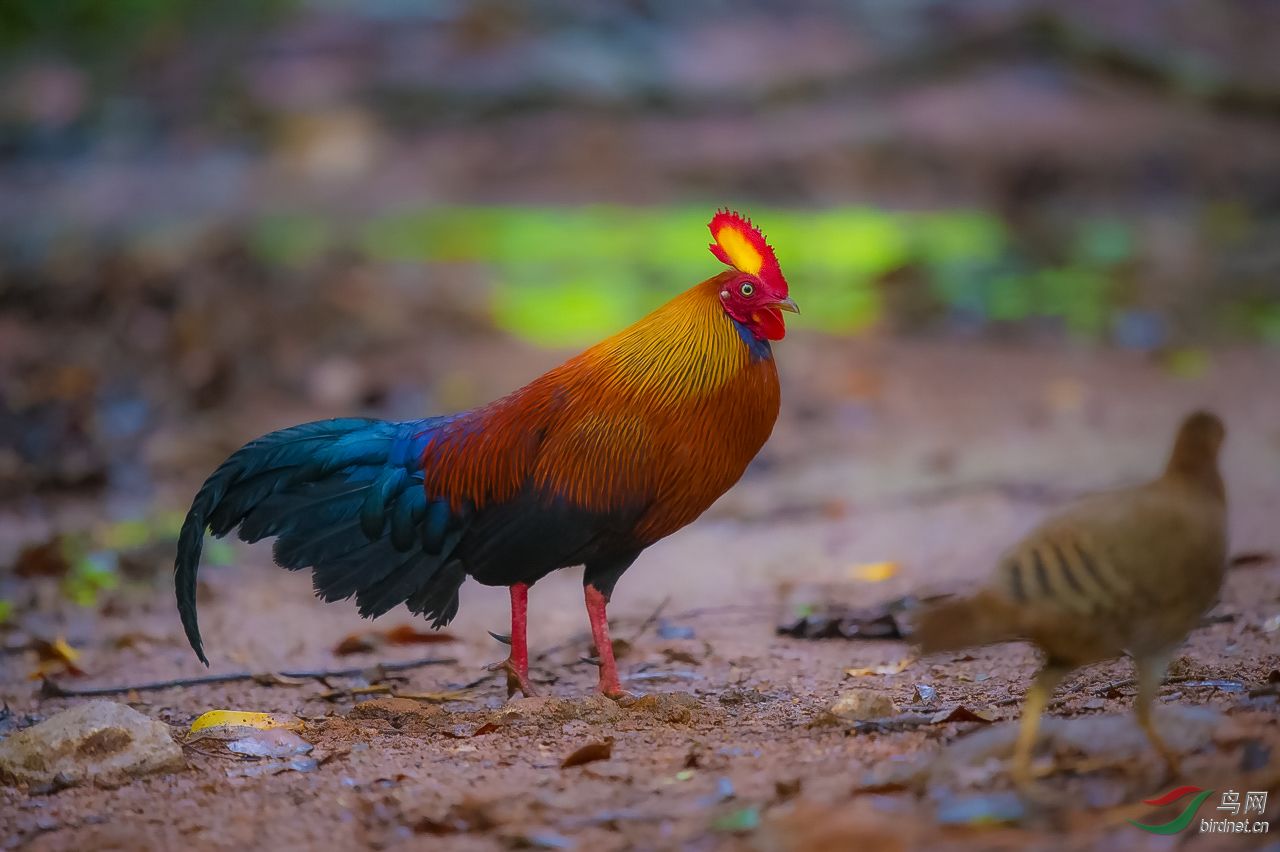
{"x": 740, "y": 244}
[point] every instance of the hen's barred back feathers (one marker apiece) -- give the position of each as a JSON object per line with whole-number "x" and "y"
{"x": 1131, "y": 571}
{"x": 1126, "y": 570}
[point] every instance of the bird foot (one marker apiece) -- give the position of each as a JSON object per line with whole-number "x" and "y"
{"x": 1172, "y": 766}
{"x": 517, "y": 680}
{"x": 1026, "y": 778}
{"x": 617, "y": 693}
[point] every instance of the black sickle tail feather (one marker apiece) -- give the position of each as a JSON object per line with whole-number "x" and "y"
{"x": 344, "y": 497}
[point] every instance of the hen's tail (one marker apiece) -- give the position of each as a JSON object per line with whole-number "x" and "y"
{"x": 344, "y": 497}
{"x": 983, "y": 619}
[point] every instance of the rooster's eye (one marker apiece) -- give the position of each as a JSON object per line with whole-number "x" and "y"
{"x": 746, "y": 289}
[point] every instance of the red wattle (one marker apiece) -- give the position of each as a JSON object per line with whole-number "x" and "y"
{"x": 768, "y": 321}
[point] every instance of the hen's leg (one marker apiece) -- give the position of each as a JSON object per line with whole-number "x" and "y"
{"x": 1151, "y": 671}
{"x": 597, "y": 603}
{"x": 1032, "y": 708}
{"x": 517, "y": 664}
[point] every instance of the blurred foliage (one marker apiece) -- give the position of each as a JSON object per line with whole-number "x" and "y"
{"x": 89, "y": 562}
{"x": 106, "y": 33}
{"x": 572, "y": 275}
{"x": 90, "y": 575}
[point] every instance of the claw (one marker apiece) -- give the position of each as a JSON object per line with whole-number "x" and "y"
{"x": 516, "y": 680}
{"x": 620, "y": 695}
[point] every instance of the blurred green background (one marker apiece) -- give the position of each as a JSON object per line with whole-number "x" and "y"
{"x": 207, "y": 206}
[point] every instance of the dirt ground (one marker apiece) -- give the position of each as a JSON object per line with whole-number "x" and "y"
{"x": 930, "y": 456}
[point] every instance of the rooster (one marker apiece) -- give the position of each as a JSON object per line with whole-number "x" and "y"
{"x": 588, "y": 464}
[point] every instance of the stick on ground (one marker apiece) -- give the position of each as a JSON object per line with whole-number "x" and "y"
{"x": 52, "y": 689}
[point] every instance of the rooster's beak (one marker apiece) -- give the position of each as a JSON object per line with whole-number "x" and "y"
{"x": 787, "y": 304}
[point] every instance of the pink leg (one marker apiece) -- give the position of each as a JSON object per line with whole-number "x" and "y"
{"x": 596, "y": 604}
{"x": 517, "y": 664}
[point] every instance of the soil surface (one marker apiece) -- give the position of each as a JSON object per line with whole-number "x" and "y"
{"x": 933, "y": 457}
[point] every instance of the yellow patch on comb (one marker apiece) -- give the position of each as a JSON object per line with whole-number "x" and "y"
{"x": 742, "y": 254}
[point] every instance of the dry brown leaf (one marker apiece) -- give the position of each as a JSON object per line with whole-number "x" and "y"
{"x": 590, "y": 753}
{"x": 960, "y": 713}
{"x": 1251, "y": 558}
{"x": 356, "y": 643}
{"x": 47, "y": 559}
{"x": 407, "y": 634}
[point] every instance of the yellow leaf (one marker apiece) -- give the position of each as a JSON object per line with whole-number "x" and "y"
{"x": 243, "y": 719}
{"x": 873, "y": 572}
{"x": 63, "y": 651}
{"x": 887, "y": 669}
{"x": 54, "y": 658}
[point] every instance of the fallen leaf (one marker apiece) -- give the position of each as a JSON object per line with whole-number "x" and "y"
{"x": 47, "y": 559}
{"x": 1252, "y": 558}
{"x": 787, "y": 789}
{"x": 590, "y": 753}
{"x": 846, "y": 626}
{"x": 887, "y": 669}
{"x": 407, "y": 634}
{"x": 135, "y": 639}
{"x": 960, "y": 713}
{"x": 678, "y": 655}
{"x": 355, "y": 643}
{"x": 243, "y": 719}
{"x": 372, "y": 640}
{"x": 877, "y": 622}
{"x": 872, "y": 572}
{"x": 273, "y": 679}
{"x": 56, "y": 657}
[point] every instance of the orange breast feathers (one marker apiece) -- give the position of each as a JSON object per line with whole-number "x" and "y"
{"x": 660, "y": 419}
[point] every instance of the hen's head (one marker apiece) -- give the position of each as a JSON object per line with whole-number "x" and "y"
{"x": 756, "y": 293}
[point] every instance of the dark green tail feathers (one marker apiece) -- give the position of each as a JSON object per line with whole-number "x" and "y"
{"x": 343, "y": 497}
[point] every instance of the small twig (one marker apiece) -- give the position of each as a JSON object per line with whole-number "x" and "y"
{"x": 52, "y": 689}
{"x": 724, "y": 609}
{"x": 1103, "y": 691}
{"x": 651, "y": 620}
